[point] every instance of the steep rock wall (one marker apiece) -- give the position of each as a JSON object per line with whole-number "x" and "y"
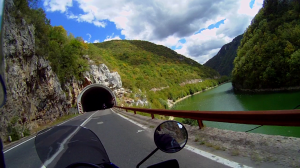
{"x": 34, "y": 94}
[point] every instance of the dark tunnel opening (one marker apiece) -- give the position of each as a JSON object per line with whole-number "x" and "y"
{"x": 95, "y": 98}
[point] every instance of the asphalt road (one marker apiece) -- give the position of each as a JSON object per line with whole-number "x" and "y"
{"x": 126, "y": 144}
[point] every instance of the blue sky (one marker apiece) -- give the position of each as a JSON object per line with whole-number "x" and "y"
{"x": 252, "y": 3}
{"x": 195, "y": 35}
{"x": 82, "y": 29}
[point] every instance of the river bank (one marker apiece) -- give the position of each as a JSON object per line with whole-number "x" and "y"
{"x": 224, "y": 98}
{"x": 295, "y": 88}
{"x": 251, "y": 149}
{"x": 171, "y": 103}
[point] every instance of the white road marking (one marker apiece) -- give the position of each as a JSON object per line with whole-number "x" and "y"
{"x": 87, "y": 119}
{"x": 140, "y": 131}
{"x": 215, "y": 158}
{"x": 35, "y": 136}
{"x": 198, "y": 151}
{"x": 19, "y": 144}
{"x": 68, "y": 120}
{"x": 140, "y": 125}
{"x": 100, "y": 122}
{"x": 61, "y": 147}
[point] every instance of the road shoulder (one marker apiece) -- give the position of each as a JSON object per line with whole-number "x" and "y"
{"x": 9, "y": 146}
{"x": 195, "y": 142}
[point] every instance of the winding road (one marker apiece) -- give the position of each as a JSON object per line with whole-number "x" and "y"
{"x": 126, "y": 144}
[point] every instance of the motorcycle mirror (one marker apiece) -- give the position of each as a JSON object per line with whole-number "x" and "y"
{"x": 170, "y": 136}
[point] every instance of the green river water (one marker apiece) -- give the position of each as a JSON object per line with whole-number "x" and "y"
{"x": 223, "y": 98}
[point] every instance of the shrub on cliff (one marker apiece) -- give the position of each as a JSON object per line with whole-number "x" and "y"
{"x": 65, "y": 54}
{"x": 63, "y": 51}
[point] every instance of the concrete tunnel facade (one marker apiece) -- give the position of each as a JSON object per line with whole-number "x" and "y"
{"x": 93, "y": 96}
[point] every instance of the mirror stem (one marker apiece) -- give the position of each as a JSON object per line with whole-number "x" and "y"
{"x": 146, "y": 158}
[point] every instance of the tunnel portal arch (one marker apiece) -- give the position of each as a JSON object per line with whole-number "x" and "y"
{"x": 94, "y": 96}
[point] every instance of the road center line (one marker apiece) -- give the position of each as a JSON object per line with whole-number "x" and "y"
{"x": 198, "y": 151}
{"x": 61, "y": 147}
{"x": 88, "y": 119}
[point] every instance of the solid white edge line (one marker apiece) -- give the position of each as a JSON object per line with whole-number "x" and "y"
{"x": 19, "y": 144}
{"x": 140, "y": 125}
{"x": 198, "y": 151}
{"x": 34, "y": 136}
{"x": 68, "y": 120}
{"x": 216, "y": 158}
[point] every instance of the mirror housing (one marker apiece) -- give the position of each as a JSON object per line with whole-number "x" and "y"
{"x": 170, "y": 136}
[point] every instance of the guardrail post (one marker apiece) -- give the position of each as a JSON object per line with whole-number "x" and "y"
{"x": 9, "y": 139}
{"x": 152, "y": 116}
{"x": 134, "y": 112}
{"x": 200, "y": 123}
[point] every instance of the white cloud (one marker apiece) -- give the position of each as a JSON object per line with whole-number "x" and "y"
{"x": 57, "y": 5}
{"x": 70, "y": 15}
{"x": 99, "y": 24}
{"x": 204, "y": 45}
{"x": 166, "y": 23}
{"x": 86, "y": 18}
{"x": 112, "y": 37}
{"x": 96, "y": 41}
{"x": 169, "y": 41}
{"x": 90, "y": 36}
{"x": 246, "y": 10}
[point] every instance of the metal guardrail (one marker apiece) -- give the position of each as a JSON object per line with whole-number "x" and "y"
{"x": 267, "y": 117}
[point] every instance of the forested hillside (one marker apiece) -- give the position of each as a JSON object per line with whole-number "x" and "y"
{"x": 223, "y": 61}
{"x": 269, "y": 54}
{"x": 146, "y": 65}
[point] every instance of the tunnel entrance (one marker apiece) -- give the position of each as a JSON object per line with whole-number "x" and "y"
{"x": 95, "y": 97}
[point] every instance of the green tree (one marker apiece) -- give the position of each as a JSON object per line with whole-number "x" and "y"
{"x": 265, "y": 57}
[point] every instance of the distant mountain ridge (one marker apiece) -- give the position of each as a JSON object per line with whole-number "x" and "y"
{"x": 223, "y": 61}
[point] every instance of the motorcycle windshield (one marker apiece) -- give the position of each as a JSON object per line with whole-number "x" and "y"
{"x": 61, "y": 146}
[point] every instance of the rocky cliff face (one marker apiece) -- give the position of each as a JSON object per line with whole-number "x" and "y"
{"x": 34, "y": 93}
{"x": 96, "y": 74}
{"x": 101, "y": 74}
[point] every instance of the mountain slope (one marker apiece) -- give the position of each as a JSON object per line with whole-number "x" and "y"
{"x": 269, "y": 54}
{"x": 223, "y": 61}
{"x": 145, "y": 65}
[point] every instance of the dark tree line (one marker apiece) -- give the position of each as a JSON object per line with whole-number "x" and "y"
{"x": 269, "y": 53}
